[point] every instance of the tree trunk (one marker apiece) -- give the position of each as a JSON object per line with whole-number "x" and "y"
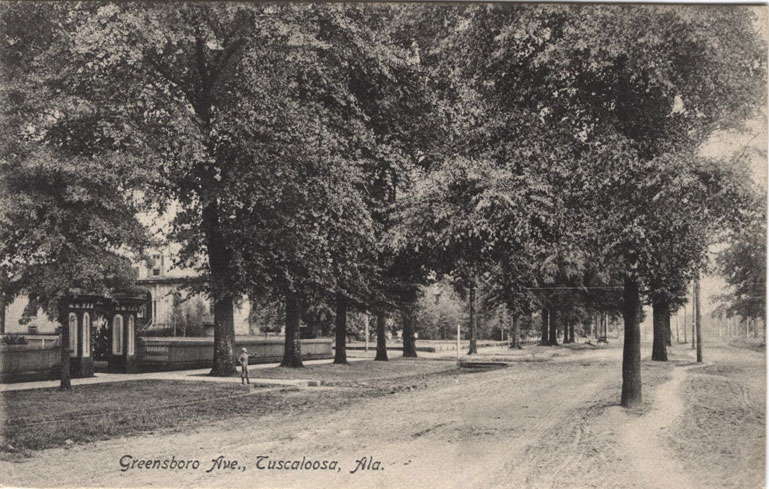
{"x": 224, "y": 338}
{"x": 566, "y": 333}
{"x": 631, "y": 353}
{"x": 473, "y": 322}
{"x": 219, "y": 262}
{"x": 381, "y": 339}
{"x": 292, "y": 352}
{"x": 698, "y": 318}
{"x": 409, "y": 342}
{"x": 340, "y": 349}
{"x": 63, "y": 313}
{"x": 2, "y": 313}
{"x": 668, "y": 331}
{"x": 659, "y": 352}
{"x": 598, "y": 326}
{"x": 571, "y": 332}
{"x": 694, "y": 319}
{"x": 516, "y": 332}
{"x": 553, "y": 328}
{"x": 545, "y": 326}
{"x": 589, "y": 326}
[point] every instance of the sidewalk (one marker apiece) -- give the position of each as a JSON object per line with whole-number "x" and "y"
{"x": 201, "y": 375}
{"x": 197, "y": 375}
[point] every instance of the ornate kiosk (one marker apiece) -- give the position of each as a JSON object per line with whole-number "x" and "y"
{"x": 121, "y": 319}
{"x": 118, "y": 313}
{"x": 83, "y": 310}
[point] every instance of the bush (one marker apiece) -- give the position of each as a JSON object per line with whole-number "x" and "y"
{"x": 100, "y": 341}
{"x": 14, "y": 339}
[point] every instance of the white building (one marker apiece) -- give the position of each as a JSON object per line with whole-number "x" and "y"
{"x": 169, "y": 305}
{"x": 169, "y": 302}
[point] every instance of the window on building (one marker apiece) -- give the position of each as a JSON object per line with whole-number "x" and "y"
{"x": 72, "y": 334}
{"x": 117, "y": 334}
{"x": 86, "y": 335}
{"x": 131, "y": 334}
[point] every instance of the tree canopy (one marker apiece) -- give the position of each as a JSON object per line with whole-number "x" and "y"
{"x": 354, "y": 153}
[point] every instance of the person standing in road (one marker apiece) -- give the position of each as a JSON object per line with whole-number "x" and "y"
{"x": 243, "y": 359}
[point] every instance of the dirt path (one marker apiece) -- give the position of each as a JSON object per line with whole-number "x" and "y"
{"x": 641, "y": 438}
{"x": 721, "y": 438}
{"x": 549, "y": 425}
{"x": 474, "y": 432}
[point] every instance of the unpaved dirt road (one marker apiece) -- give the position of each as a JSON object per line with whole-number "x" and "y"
{"x": 548, "y": 424}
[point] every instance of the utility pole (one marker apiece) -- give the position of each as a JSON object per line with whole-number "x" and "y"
{"x": 678, "y": 339}
{"x": 698, "y": 318}
{"x": 458, "y": 333}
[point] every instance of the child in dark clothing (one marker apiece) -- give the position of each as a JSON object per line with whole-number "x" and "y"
{"x": 243, "y": 359}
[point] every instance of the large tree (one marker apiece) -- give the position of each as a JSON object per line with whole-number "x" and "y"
{"x": 246, "y": 112}
{"x": 618, "y": 90}
{"x": 187, "y": 80}
{"x": 743, "y": 264}
{"x": 70, "y": 189}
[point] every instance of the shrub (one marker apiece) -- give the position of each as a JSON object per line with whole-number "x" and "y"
{"x": 100, "y": 339}
{"x": 14, "y": 339}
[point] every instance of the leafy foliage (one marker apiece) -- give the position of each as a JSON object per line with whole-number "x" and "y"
{"x": 743, "y": 264}
{"x": 69, "y": 192}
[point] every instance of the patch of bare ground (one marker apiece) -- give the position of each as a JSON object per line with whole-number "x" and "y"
{"x": 721, "y": 437}
{"x": 585, "y": 449}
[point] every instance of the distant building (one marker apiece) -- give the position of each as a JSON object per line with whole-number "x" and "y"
{"x": 168, "y": 306}
{"x": 37, "y": 324}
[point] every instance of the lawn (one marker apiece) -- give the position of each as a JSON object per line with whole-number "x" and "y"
{"x": 45, "y": 418}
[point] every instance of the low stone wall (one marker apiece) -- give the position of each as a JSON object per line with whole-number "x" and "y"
{"x": 156, "y": 353}
{"x": 41, "y": 340}
{"x": 20, "y": 363}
